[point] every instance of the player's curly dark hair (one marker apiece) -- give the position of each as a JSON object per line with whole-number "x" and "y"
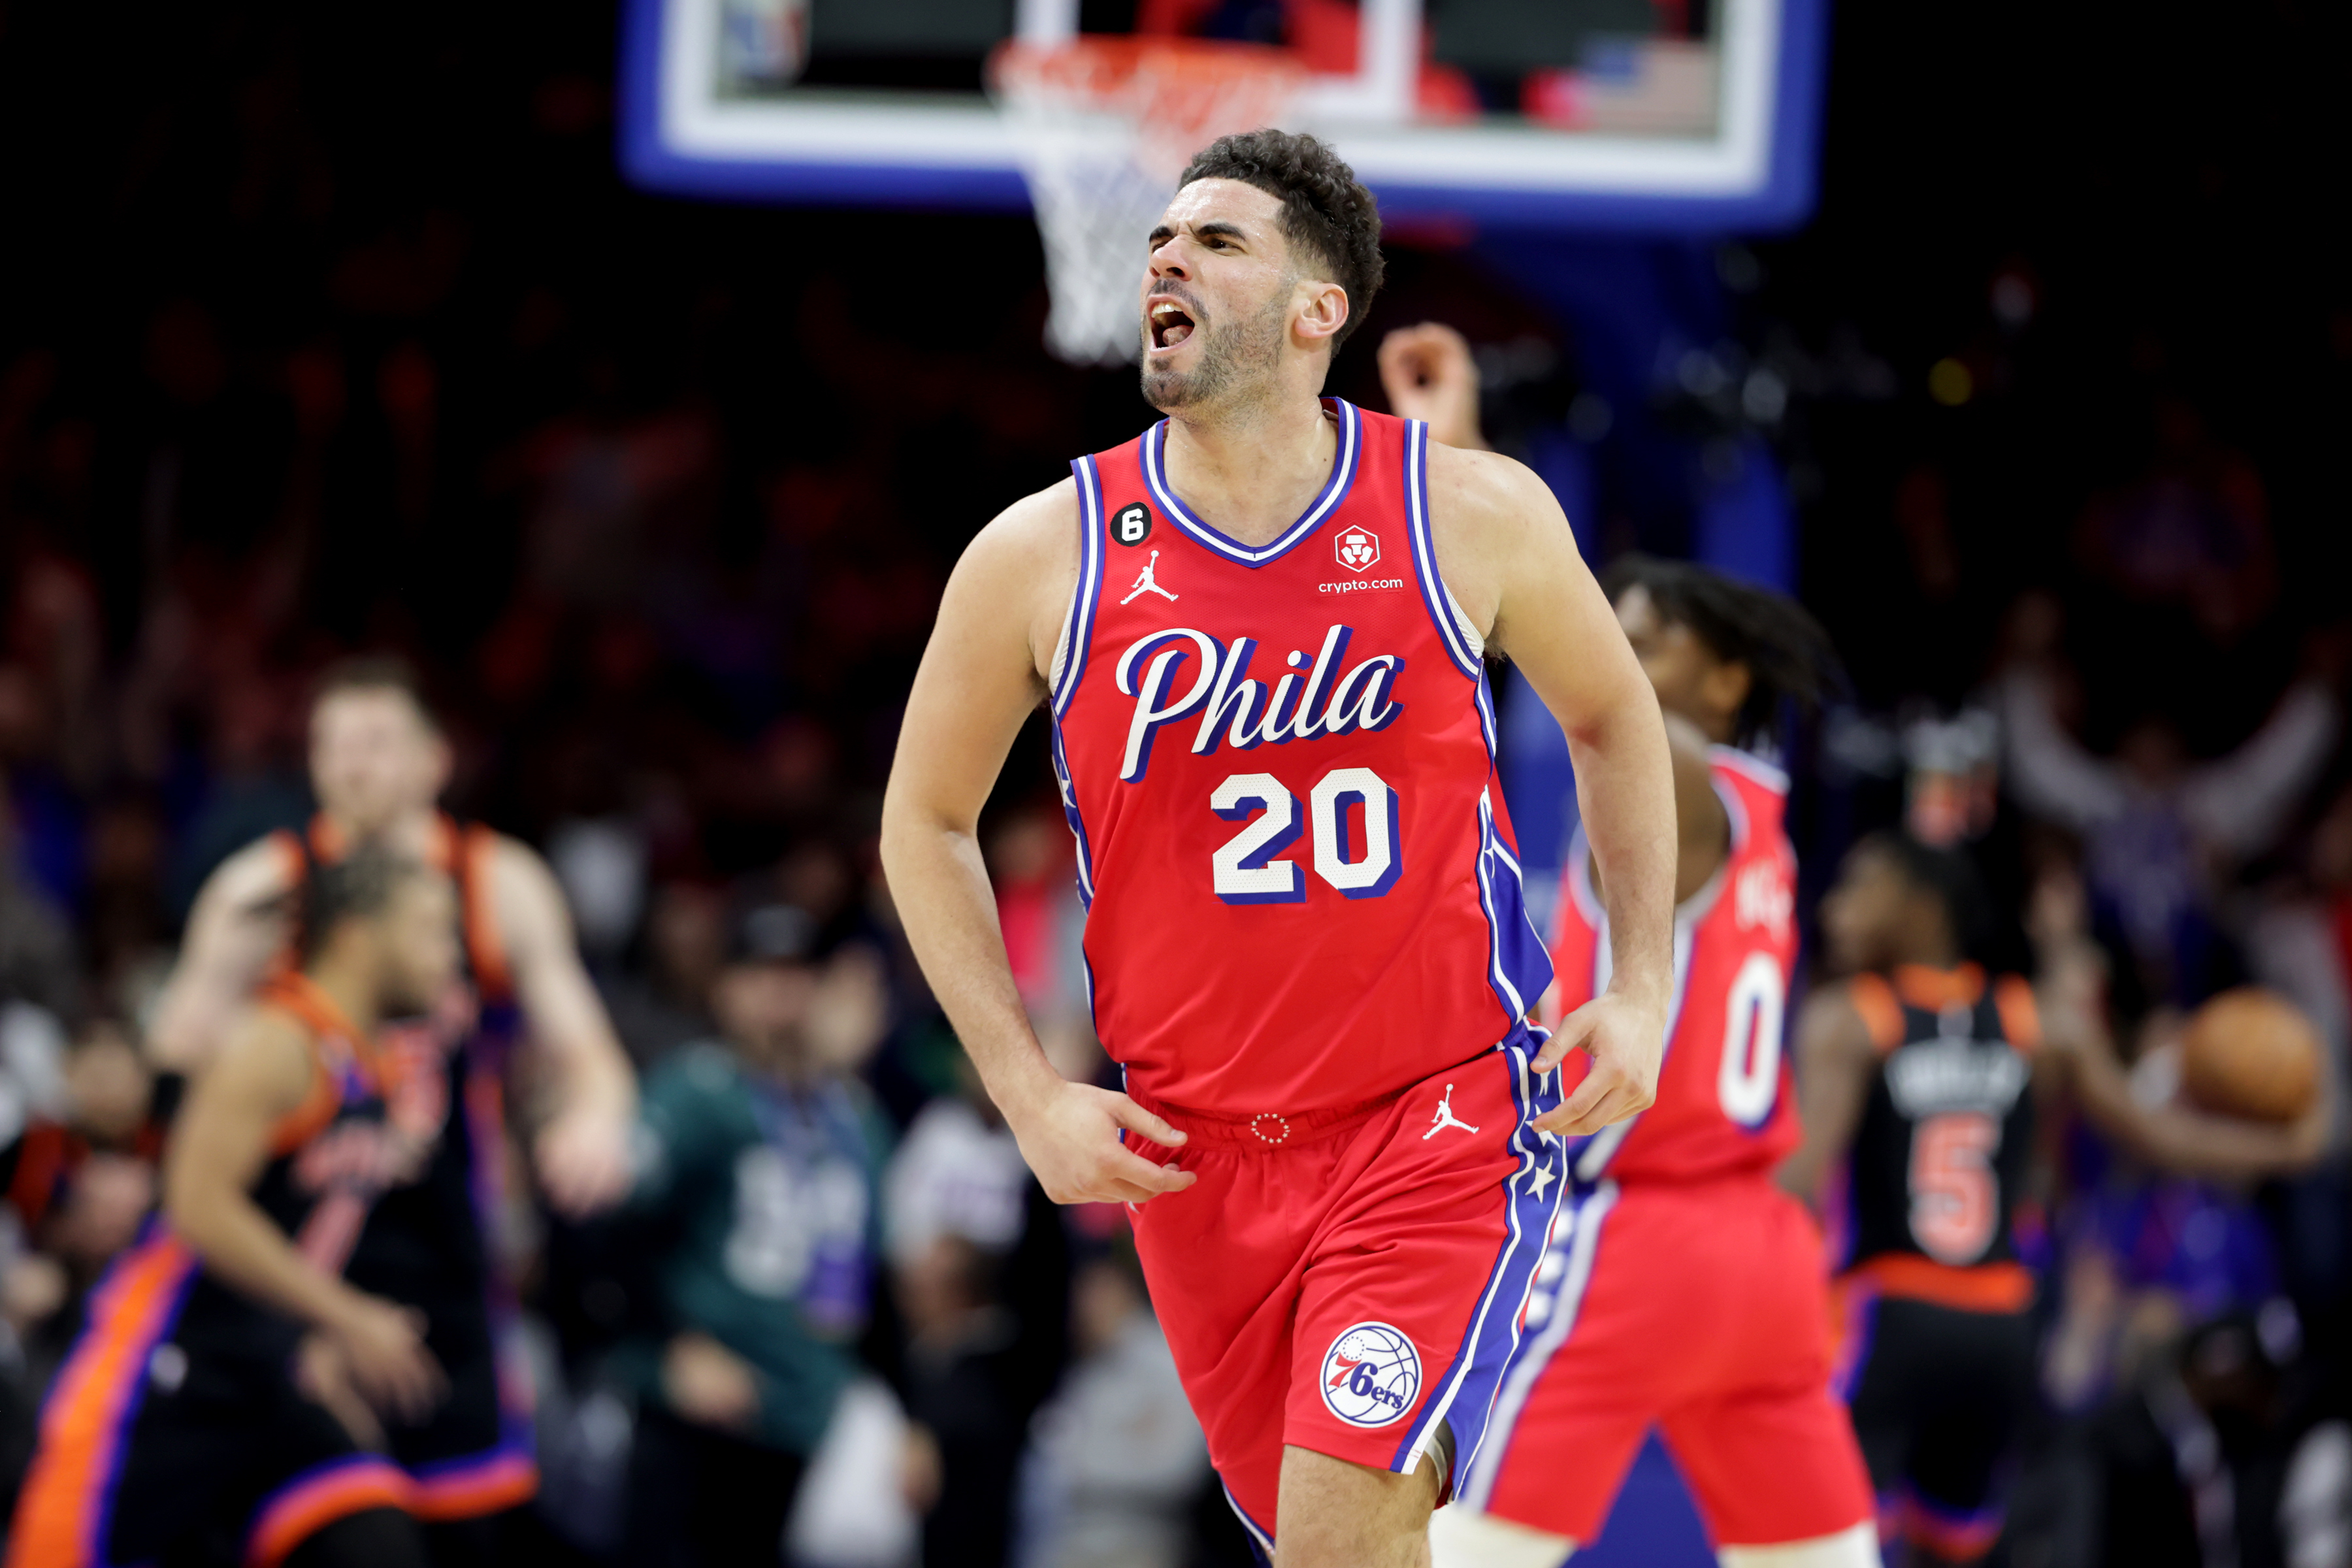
{"x": 361, "y": 886}
{"x": 1789, "y": 657}
{"x": 1326, "y": 211}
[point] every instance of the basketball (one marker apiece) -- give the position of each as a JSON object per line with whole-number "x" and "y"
{"x": 2250, "y": 1053}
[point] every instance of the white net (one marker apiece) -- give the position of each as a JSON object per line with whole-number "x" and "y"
{"x": 1105, "y": 125}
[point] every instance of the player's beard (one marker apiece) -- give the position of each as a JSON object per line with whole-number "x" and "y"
{"x": 1238, "y": 357}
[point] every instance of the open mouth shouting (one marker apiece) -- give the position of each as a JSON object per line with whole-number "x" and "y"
{"x": 1172, "y": 323}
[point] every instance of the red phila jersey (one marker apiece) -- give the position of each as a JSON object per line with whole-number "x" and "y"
{"x": 1725, "y": 1101}
{"x": 1278, "y": 761}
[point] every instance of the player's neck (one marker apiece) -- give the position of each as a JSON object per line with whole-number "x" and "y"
{"x": 1250, "y": 471}
{"x": 349, "y": 986}
{"x": 410, "y": 832}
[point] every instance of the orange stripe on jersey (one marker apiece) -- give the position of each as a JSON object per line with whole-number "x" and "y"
{"x": 328, "y": 842}
{"x": 485, "y": 947}
{"x": 1882, "y": 1015}
{"x": 342, "y": 1489}
{"x": 61, "y": 1514}
{"x": 1936, "y": 989}
{"x": 1988, "y": 1287}
{"x": 505, "y": 1480}
{"x": 293, "y": 866}
{"x": 2020, "y": 1018}
{"x": 298, "y": 995}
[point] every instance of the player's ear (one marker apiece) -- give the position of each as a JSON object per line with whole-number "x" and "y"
{"x": 1322, "y": 312}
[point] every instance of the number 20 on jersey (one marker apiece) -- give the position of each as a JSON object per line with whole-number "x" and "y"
{"x": 1350, "y": 814}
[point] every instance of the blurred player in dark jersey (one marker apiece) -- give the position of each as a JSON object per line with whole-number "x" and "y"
{"x": 378, "y": 763}
{"x": 223, "y": 1402}
{"x": 1921, "y": 1076}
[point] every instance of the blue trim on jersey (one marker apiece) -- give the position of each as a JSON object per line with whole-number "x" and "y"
{"x": 1756, "y": 768}
{"x": 1335, "y": 491}
{"x": 1492, "y": 1343}
{"x": 1483, "y": 700}
{"x": 1424, "y": 560}
{"x": 1518, "y": 970}
{"x": 1083, "y": 600}
{"x": 1089, "y": 588}
{"x": 1261, "y": 1540}
{"x": 1853, "y": 1357}
{"x": 1070, "y": 813}
{"x": 1574, "y": 1241}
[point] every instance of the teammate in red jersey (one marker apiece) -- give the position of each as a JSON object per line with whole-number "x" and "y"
{"x": 1305, "y": 937}
{"x": 1675, "y": 1233}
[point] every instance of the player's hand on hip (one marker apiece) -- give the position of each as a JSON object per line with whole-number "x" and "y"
{"x": 1429, "y": 374}
{"x": 1069, "y": 1136}
{"x": 324, "y": 1380}
{"x": 1626, "y": 1041}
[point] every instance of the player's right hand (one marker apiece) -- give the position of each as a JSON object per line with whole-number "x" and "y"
{"x": 382, "y": 1348}
{"x": 1069, "y": 1136}
{"x": 1626, "y": 1042}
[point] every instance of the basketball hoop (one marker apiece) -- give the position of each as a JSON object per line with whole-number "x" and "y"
{"x": 1104, "y": 125}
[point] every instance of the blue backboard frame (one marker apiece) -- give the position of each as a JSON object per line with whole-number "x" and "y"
{"x": 1776, "y": 189}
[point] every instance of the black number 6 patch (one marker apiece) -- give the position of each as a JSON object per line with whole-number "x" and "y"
{"x": 1132, "y": 525}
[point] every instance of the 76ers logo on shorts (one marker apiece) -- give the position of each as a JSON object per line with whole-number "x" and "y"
{"x": 1370, "y": 1375}
{"x": 1356, "y": 548}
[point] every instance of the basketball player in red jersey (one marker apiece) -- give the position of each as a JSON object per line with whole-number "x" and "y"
{"x": 1675, "y": 1233}
{"x": 378, "y": 764}
{"x": 1259, "y": 630}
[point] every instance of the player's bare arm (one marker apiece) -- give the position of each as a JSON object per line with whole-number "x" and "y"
{"x": 240, "y": 923}
{"x": 219, "y": 1145}
{"x": 984, "y": 671}
{"x": 1510, "y": 558}
{"x": 2078, "y": 1055}
{"x": 1702, "y": 825}
{"x": 582, "y": 1152}
{"x": 1428, "y": 375}
{"x": 1835, "y": 1064}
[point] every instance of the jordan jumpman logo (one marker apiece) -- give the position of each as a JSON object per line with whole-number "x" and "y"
{"x": 1445, "y": 1118}
{"x": 1147, "y": 583}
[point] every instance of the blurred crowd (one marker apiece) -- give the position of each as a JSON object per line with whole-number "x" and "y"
{"x": 659, "y": 501}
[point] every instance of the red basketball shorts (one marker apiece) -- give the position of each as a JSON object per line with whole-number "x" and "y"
{"x": 1347, "y": 1286}
{"x": 1703, "y": 1311}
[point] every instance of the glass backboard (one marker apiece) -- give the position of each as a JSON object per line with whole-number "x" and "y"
{"x": 1689, "y": 116}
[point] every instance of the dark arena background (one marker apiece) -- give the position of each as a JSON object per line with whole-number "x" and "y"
{"x": 340, "y": 330}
